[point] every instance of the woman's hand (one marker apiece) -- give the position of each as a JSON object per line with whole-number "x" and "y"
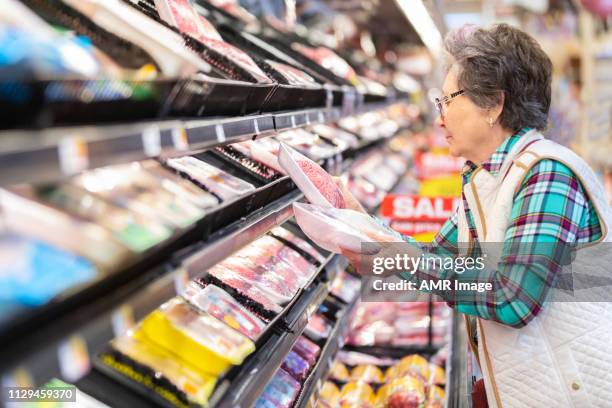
{"x": 349, "y": 198}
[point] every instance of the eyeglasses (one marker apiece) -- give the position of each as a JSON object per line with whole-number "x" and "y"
{"x": 445, "y": 101}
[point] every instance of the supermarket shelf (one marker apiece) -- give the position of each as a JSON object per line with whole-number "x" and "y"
{"x": 242, "y": 388}
{"x": 95, "y": 323}
{"x": 28, "y": 156}
{"x": 334, "y": 343}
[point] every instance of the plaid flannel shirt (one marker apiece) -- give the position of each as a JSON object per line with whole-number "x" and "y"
{"x": 550, "y": 207}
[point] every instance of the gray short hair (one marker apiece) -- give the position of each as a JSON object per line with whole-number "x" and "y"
{"x": 502, "y": 59}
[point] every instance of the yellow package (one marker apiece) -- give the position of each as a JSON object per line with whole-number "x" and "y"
{"x": 446, "y": 186}
{"x": 436, "y": 397}
{"x": 329, "y": 394}
{"x": 196, "y": 387}
{"x": 438, "y": 375}
{"x": 357, "y": 395}
{"x": 368, "y": 373}
{"x": 412, "y": 364}
{"x": 196, "y": 337}
{"x": 339, "y": 371}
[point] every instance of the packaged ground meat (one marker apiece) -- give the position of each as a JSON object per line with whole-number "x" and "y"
{"x": 337, "y": 229}
{"x": 299, "y": 266}
{"x": 263, "y": 150}
{"x": 219, "y": 304}
{"x": 223, "y": 184}
{"x": 281, "y": 391}
{"x": 208, "y": 344}
{"x": 316, "y": 184}
{"x": 298, "y": 242}
{"x": 329, "y": 60}
{"x": 308, "y": 350}
{"x": 295, "y": 365}
{"x": 367, "y": 373}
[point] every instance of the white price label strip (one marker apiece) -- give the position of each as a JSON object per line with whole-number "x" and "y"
{"x": 73, "y": 155}
{"x": 122, "y": 320}
{"x": 321, "y": 117}
{"x": 179, "y": 138}
{"x": 308, "y": 119}
{"x": 293, "y": 121}
{"x": 151, "y": 141}
{"x": 73, "y": 358}
{"x": 220, "y": 132}
{"x": 256, "y": 124}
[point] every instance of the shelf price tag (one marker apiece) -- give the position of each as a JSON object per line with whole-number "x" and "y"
{"x": 151, "y": 141}
{"x": 73, "y": 358}
{"x": 181, "y": 280}
{"x": 179, "y": 138}
{"x": 321, "y": 117}
{"x": 329, "y": 98}
{"x": 220, "y": 132}
{"x": 73, "y": 155}
{"x": 122, "y": 320}
{"x": 256, "y": 125}
{"x": 293, "y": 125}
{"x": 308, "y": 119}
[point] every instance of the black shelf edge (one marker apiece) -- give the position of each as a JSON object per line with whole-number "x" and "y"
{"x": 334, "y": 344}
{"x": 259, "y": 368}
{"x": 458, "y": 389}
{"x": 34, "y": 156}
{"x": 95, "y": 323}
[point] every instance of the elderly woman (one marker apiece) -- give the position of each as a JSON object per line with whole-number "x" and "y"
{"x": 518, "y": 188}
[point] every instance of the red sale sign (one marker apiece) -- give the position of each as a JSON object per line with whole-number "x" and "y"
{"x": 413, "y": 214}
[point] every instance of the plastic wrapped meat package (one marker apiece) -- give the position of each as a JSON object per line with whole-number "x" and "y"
{"x": 165, "y": 46}
{"x": 339, "y": 372}
{"x": 246, "y": 161}
{"x": 128, "y": 186}
{"x": 318, "y": 328}
{"x": 367, "y": 373}
{"x": 253, "y": 296}
{"x": 328, "y": 60}
{"x": 293, "y": 76}
{"x": 298, "y": 242}
{"x": 308, "y": 350}
{"x": 436, "y": 397}
{"x": 336, "y": 134}
{"x": 32, "y": 273}
{"x": 210, "y": 345}
{"x": 365, "y": 192}
{"x": 316, "y": 184}
{"x": 263, "y": 150}
{"x": 414, "y": 365}
{"x": 299, "y": 266}
{"x": 233, "y": 7}
{"x": 219, "y": 304}
{"x": 281, "y": 391}
{"x": 309, "y": 144}
{"x": 136, "y": 230}
{"x": 295, "y": 365}
{"x": 346, "y": 286}
{"x": 357, "y": 395}
{"x": 337, "y": 229}
{"x": 157, "y": 368}
{"x": 183, "y": 189}
{"x": 224, "y": 185}
{"x": 404, "y": 392}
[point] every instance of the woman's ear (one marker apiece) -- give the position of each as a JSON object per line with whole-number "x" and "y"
{"x": 496, "y": 111}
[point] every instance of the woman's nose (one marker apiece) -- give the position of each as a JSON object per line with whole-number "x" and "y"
{"x": 439, "y": 121}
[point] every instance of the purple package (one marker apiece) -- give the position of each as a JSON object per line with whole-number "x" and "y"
{"x": 280, "y": 392}
{"x": 296, "y": 366}
{"x": 308, "y": 350}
